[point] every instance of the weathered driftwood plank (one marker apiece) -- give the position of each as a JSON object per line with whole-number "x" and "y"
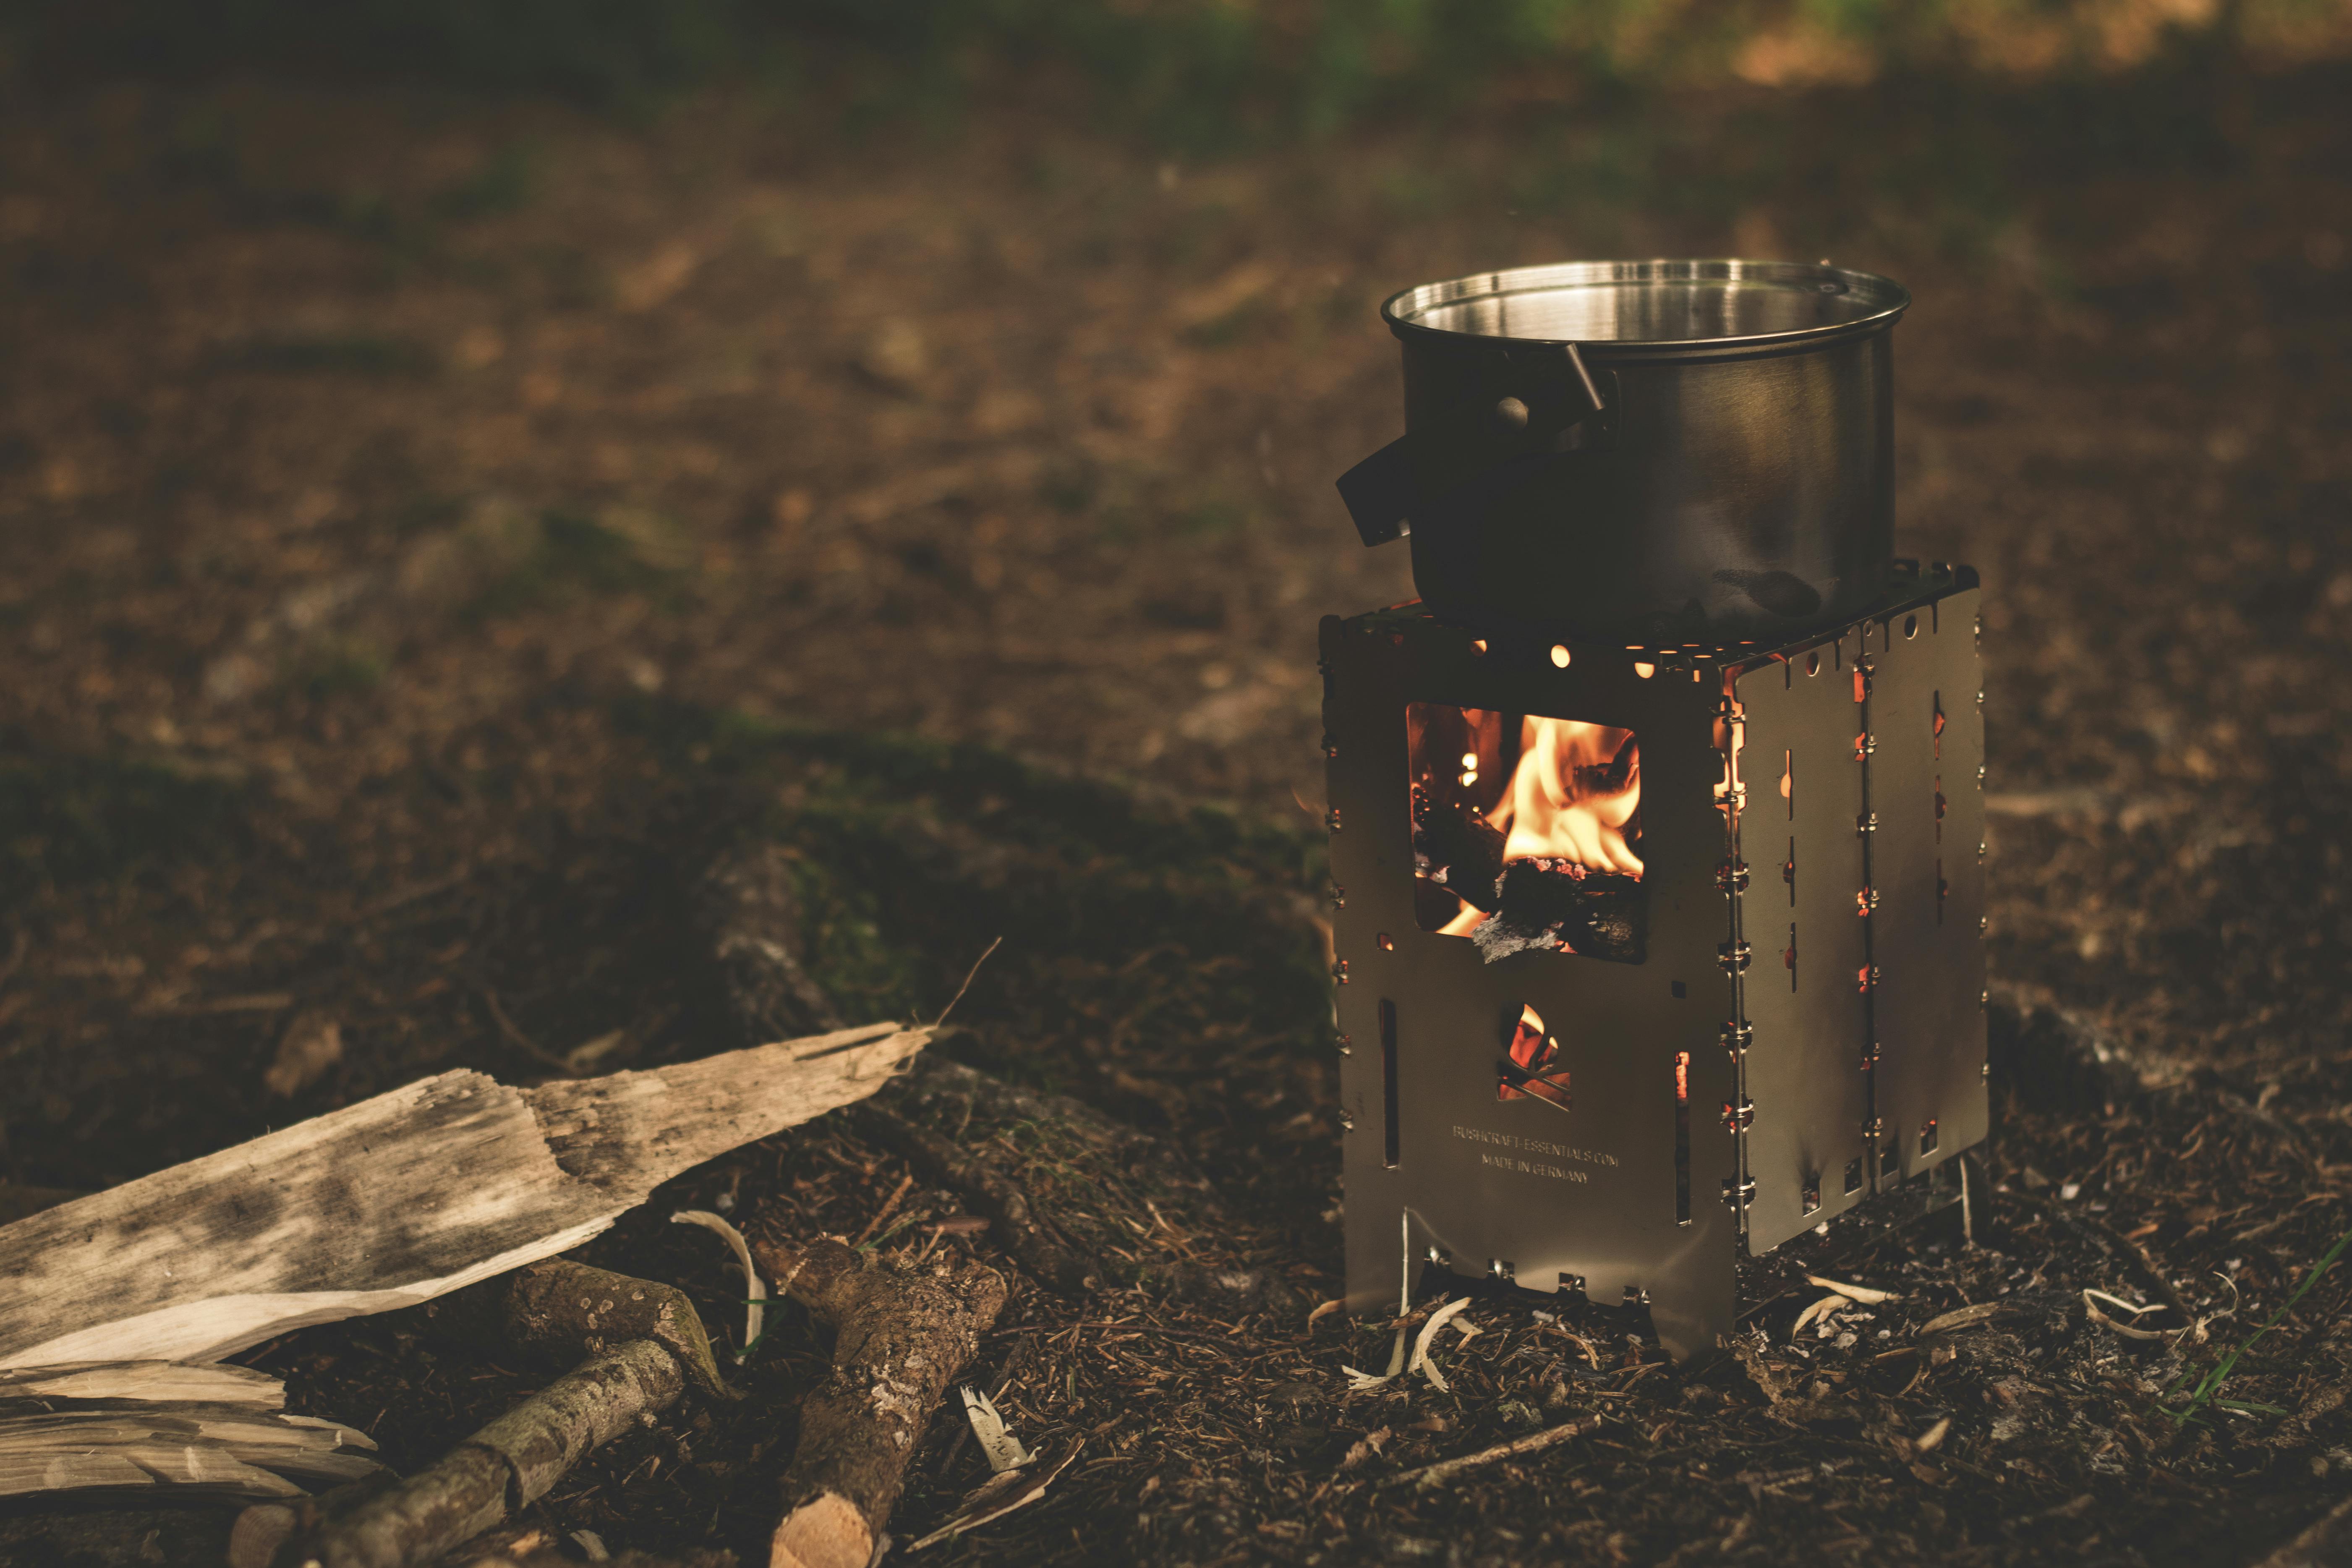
{"x": 395, "y": 1200}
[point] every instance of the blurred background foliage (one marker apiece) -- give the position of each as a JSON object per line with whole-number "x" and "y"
{"x": 1200, "y": 74}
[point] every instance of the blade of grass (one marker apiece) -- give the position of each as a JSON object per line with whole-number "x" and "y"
{"x": 2219, "y": 1373}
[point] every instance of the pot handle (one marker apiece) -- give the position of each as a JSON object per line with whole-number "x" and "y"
{"x": 1383, "y": 493}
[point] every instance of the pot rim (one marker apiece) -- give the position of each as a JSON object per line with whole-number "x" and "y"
{"x": 1401, "y": 310}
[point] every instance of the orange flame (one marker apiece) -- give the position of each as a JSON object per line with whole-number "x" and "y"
{"x": 1577, "y": 789}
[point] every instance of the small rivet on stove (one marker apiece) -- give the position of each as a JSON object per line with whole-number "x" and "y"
{"x": 1347, "y": 1044}
{"x": 1511, "y": 414}
{"x": 1984, "y": 925}
{"x": 1331, "y": 819}
{"x": 1338, "y": 897}
{"x": 1339, "y": 972}
{"x": 1346, "y": 1122}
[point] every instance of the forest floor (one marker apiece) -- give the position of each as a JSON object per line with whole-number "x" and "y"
{"x": 430, "y": 530}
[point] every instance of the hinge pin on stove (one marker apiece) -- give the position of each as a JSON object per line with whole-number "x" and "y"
{"x": 1865, "y": 901}
{"x": 1867, "y": 823}
{"x": 1865, "y": 745}
{"x": 1331, "y": 819}
{"x": 1733, "y": 956}
{"x": 1735, "y": 1193}
{"x": 1347, "y": 1044}
{"x": 1866, "y": 978}
{"x": 1346, "y": 1122}
{"x": 1330, "y": 747}
{"x": 1339, "y": 972}
{"x": 1731, "y": 876}
{"x": 1738, "y": 1118}
{"x": 1338, "y": 897}
{"x": 1736, "y": 1037}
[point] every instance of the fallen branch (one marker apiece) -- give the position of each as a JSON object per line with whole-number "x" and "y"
{"x": 1004, "y": 1201}
{"x": 1518, "y": 1447}
{"x": 395, "y": 1200}
{"x": 901, "y": 1335}
{"x": 559, "y": 1312}
{"x": 750, "y": 917}
{"x": 506, "y": 1465}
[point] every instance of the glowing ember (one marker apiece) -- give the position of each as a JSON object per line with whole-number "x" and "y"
{"x": 1533, "y": 1053}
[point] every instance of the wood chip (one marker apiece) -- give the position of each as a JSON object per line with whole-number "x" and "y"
{"x": 1862, "y": 1293}
{"x": 1960, "y": 1318}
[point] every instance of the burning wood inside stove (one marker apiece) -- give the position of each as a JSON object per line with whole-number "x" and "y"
{"x": 1527, "y": 832}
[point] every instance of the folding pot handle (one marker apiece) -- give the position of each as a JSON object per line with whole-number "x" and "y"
{"x": 1379, "y": 493}
{"x": 1383, "y": 493}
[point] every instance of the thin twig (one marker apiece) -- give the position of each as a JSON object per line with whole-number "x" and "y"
{"x": 888, "y": 1207}
{"x": 1534, "y": 1441}
{"x": 968, "y": 979}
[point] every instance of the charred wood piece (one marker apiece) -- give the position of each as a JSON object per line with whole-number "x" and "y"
{"x": 1561, "y": 908}
{"x": 1459, "y": 850}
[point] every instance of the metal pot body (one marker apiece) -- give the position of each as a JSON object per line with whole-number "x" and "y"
{"x": 1734, "y": 482}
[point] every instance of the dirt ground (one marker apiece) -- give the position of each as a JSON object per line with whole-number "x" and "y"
{"x": 428, "y": 530}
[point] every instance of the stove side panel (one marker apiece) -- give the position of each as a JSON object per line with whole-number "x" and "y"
{"x": 1807, "y": 1145}
{"x": 1927, "y": 790}
{"x": 1369, "y": 816}
{"x": 1550, "y": 1196}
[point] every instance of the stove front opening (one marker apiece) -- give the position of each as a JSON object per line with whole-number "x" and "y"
{"x": 1527, "y": 832}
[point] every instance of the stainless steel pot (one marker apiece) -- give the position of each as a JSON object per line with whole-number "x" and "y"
{"x": 1646, "y": 451}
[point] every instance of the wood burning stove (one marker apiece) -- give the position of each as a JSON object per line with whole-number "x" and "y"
{"x": 1651, "y": 957}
